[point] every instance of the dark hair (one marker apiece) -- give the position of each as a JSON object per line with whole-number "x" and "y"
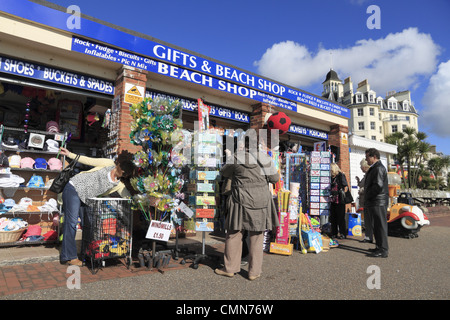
{"x": 372, "y": 152}
{"x": 127, "y": 167}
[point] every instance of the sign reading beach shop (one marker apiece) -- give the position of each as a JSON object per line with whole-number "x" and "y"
{"x": 40, "y": 72}
{"x": 207, "y": 73}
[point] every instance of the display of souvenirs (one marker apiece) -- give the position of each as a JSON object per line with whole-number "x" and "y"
{"x": 319, "y": 183}
{"x": 157, "y": 127}
{"x": 206, "y": 161}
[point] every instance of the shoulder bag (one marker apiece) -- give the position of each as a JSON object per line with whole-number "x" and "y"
{"x": 61, "y": 180}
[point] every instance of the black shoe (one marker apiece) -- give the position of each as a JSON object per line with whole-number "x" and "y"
{"x": 365, "y": 241}
{"x": 379, "y": 254}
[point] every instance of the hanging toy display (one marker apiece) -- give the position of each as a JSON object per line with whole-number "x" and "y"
{"x": 280, "y": 121}
{"x": 27, "y": 117}
{"x": 157, "y": 127}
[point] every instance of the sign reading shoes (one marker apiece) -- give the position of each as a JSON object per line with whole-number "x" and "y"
{"x": 133, "y": 93}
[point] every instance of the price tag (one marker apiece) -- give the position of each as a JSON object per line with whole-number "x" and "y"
{"x": 159, "y": 230}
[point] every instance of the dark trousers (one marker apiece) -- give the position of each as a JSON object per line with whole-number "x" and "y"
{"x": 337, "y": 219}
{"x": 380, "y": 227}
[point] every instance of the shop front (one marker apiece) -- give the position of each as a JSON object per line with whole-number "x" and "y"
{"x": 87, "y": 80}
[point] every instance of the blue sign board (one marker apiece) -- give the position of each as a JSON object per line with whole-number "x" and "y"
{"x": 169, "y": 61}
{"x": 191, "y": 105}
{"x": 58, "y": 76}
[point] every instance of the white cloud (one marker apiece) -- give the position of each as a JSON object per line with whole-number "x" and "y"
{"x": 396, "y": 62}
{"x": 436, "y": 102}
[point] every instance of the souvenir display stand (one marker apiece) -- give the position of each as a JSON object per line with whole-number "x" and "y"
{"x": 30, "y": 161}
{"x": 207, "y": 155}
{"x": 303, "y": 203}
{"x": 157, "y": 127}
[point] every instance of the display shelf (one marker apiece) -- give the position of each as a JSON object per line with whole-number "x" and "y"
{"x": 34, "y": 170}
{"x": 27, "y": 150}
{"x": 36, "y": 194}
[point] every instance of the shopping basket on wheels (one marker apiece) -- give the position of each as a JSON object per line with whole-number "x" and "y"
{"x": 107, "y": 232}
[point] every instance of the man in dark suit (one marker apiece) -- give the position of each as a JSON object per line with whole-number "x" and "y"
{"x": 377, "y": 200}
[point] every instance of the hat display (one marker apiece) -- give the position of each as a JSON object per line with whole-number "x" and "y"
{"x": 54, "y": 164}
{"x": 9, "y": 203}
{"x": 27, "y": 162}
{"x": 52, "y": 126}
{"x": 14, "y": 161}
{"x": 36, "y": 182}
{"x": 9, "y": 142}
{"x": 52, "y": 145}
{"x": 40, "y": 163}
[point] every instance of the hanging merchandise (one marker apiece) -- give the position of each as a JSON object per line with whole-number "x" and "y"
{"x": 282, "y": 244}
{"x": 157, "y": 127}
{"x": 320, "y": 183}
{"x": 27, "y": 117}
{"x": 280, "y": 121}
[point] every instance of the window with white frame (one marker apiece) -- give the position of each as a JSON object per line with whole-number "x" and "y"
{"x": 374, "y": 138}
{"x": 405, "y": 106}
{"x": 359, "y": 98}
{"x": 372, "y": 111}
{"x": 394, "y": 128}
{"x": 372, "y": 125}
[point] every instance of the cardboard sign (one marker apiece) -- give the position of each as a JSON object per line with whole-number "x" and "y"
{"x": 205, "y": 201}
{"x": 205, "y": 213}
{"x": 207, "y": 175}
{"x": 159, "y": 230}
{"x": 205, "y": 187}
{"x": 204, "y": 225}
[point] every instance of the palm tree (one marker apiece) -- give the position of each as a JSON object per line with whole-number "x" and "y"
{"x": 435, "y": 165}
{"x": 412, "y": 149}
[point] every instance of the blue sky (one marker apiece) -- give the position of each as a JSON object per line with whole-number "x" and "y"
{"x": 290, "y": 41}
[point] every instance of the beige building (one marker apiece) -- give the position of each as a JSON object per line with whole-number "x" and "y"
{"x": 372, "y": 117}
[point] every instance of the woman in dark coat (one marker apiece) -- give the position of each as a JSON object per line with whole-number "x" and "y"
{"x": 250, "y": 207}
{"x": 337, "y": 207}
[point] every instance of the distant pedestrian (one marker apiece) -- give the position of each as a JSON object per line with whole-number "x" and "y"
{"x": 368, "y": 224}
{"x": 376, "y": 200}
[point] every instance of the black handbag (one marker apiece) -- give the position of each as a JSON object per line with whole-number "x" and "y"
{"x": 61, "y": 180}
{"x": 345, "y": 197}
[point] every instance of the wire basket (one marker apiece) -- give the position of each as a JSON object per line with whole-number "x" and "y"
{"x": 107, "y": 230}
{"x": 11, "y": 236}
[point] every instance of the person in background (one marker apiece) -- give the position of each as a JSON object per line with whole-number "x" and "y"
{"x": 250, "y": 207}
{"x": 376, "y": 201}
{"x": 337, "y": 206}
{"x": 103, "y": 179}
{"x": 368, "y": 225}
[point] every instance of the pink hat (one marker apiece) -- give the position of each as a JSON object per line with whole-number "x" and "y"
{"x": 26, "y": 162}
{"x": 54, "y": 164}
{"x": 52, "y": 126}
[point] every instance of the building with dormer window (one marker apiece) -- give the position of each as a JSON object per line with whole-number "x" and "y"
{"x": 372, "y": 117}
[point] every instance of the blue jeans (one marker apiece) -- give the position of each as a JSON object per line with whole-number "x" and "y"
{"x": 73, "y": 208}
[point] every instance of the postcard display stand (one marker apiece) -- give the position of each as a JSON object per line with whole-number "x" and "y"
{"x": 207, "y": 148}
{"x": 319, "y": 205}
